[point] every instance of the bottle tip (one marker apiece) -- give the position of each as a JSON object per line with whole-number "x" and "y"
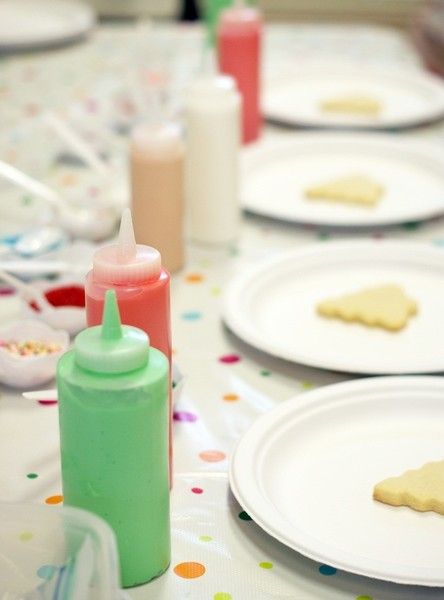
{"x": 111, "y": 324}
{"x": 127, "y": 247}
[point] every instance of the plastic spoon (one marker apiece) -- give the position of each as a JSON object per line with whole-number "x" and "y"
{"x": 37, "y": 267}
{"x": 70, "y": 318}
{"x": 78, "y": 145}
{"x": 88, "y": 222}
{"x": 45, "y": 395}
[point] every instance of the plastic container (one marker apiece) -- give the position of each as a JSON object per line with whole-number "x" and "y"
{"x": 113, "y": 393}
{"x": 212, "y": 116}
{"x": 36, "y": 542}
{"x": 239, "y": 40}
{"x": 26, "y": 372}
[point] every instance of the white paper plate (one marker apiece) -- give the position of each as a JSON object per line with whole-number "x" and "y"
{"x": 273, "y": 307}
{"x": 40, "y": 23}
{"x": 277, "y": 174}
{"x": 305, "y": 473}
{"x": 408, "y": 98}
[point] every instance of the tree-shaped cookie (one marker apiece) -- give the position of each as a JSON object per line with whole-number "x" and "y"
{"x": 355, "y": 189}
{"x": 421, "y": 489}
{"x": 385, "y": 306}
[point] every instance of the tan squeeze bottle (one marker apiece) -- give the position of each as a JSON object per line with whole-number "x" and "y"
{"x": 157, "y": 164}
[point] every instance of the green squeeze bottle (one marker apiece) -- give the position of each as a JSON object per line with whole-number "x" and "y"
{"x": 113, "y": 414}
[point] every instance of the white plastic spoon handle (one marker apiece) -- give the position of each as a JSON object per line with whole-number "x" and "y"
{"x": 43, "y": 266}
{"x": 78, "y": 145}
{"x": 29, "y": 184}
{"x": 26, "y": 290}
{"x": 50, "y": 395}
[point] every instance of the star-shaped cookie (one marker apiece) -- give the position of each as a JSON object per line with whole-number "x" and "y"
{"x": 421, "y": 489}
{"x": 385, "y": 306}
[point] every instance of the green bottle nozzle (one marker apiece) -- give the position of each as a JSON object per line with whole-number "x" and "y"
{"x": 111, "y": 347}
{"x": 111, "y": 325}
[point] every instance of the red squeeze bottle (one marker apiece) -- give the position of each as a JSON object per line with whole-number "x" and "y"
{"x": 142, "y": 288}
{"x": 239, "y": 45}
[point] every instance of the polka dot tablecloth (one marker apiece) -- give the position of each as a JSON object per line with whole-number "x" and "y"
{"x": 218, "y": 553}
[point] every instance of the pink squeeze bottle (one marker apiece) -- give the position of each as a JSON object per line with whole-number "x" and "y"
{"x": 239, "y": 44}
{"x": 142, "y": 287}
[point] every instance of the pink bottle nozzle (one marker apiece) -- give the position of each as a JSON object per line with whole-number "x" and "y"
{"x": 126, "y": 262}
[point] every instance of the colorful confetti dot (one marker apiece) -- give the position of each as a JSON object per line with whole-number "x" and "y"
{"x": 68, "y": 180}
{"x": 212, "y": 456}
{"x": 27, "y": 200}
{"x": 184, "y": 416}
{"x": 47, "y": 402}
{"x": 266, "y": 565}
{"x": 229, "y": 359}
{"x": 222, "y": 596}
{"x": 31, "y": 110}
{"x": 265, "y": 373}
{"x": 31, "y": 475}
{"x": 244, "y": 516}
{"x": 46, "y": 571}
{"x": 57, "y": 499}
{"x": 191, "y": 315}
{"x": 364, "y": 598}
{"x": 307, "y": 385}
{"x": 216, "y": 291}
{"x": 439, "y": 242}
{"x": 194, "y": 278}
{"x": 197, "y": 490}
{"x": 327, "y": 570}
{"x": 230, "y": 397}
{"x": 205, "y": 538}
{"x": 189, "y": 570}
{"x": 25, "y": 536}
{"x": 411, "y": 225}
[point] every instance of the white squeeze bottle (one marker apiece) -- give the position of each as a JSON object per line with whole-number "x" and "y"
{"x": 213, "y": 121}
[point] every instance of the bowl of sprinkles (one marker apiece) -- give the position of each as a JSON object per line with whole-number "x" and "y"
{"x": 29, "y": 351}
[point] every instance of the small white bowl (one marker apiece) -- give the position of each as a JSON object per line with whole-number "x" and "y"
{"x": 30, "y": 371}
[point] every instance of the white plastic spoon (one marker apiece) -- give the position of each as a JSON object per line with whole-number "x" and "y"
{"x": 70, "y": 318}
{"x": 77, "y": 144}
{"x": 88, "y": 222}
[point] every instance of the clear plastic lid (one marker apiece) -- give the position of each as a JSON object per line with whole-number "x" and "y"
{"x": 68, "y": 549}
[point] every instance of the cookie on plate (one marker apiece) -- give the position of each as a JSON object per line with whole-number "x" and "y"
{"x": 352, "y": 104}
{"x": 421, "y": 489}
{"x": 355, "y": 189}
{"x": 385, "y": 306}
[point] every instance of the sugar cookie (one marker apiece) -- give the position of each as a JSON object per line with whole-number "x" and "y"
{"x": 421, "y": 489}
{"x": 356, "y": 189}
{"x": 352, "y": 104}
{"x": 384, "y": 306}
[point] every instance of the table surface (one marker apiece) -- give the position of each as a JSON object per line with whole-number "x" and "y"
{"x": 220, "y": 399}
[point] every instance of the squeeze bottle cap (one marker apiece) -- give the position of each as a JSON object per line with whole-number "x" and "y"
{"x": 161, "y": 140}
{"x": 215, "y": 89}
{"x": 111, "y": 347}
{"x": 240, "y": 15}
{"x": 126, "y": 262}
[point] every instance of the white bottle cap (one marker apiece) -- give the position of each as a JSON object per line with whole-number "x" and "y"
{"x": 126, "y": 262}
